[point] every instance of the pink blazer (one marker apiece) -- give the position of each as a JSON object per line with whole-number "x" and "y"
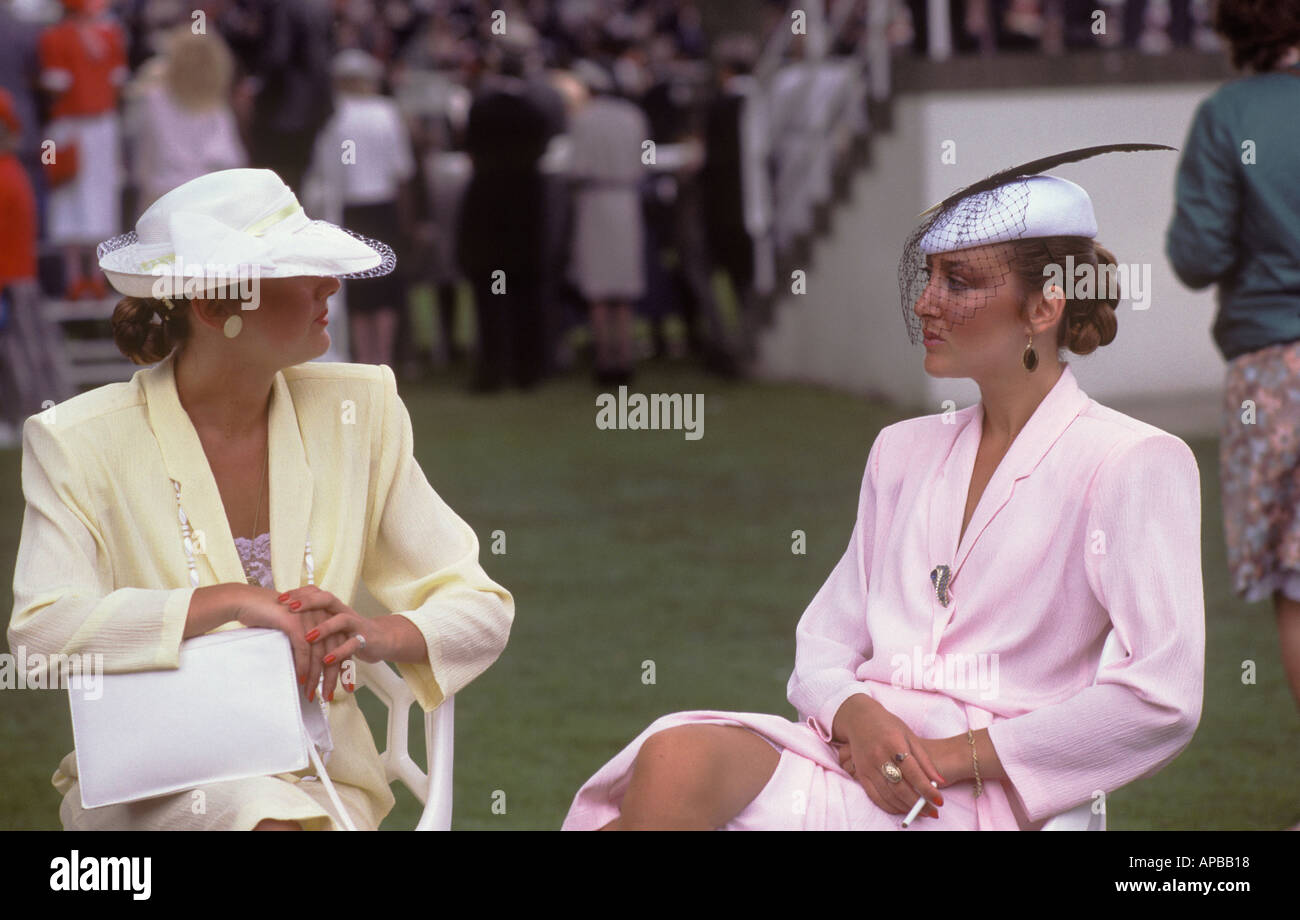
{"x": 1091, "y": 523}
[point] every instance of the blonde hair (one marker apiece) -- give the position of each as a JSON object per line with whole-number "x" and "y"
{"x": 198, "y": 69}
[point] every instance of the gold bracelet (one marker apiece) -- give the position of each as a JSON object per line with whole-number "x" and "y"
{"x": 979, "y": 785}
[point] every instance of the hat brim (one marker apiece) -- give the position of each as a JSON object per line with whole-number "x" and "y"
{"x": 318, "y": 249}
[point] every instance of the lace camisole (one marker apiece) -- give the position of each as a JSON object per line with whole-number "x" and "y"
{"x": 255, "y": 554}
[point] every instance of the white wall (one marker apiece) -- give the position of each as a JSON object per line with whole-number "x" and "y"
{"x": 848, "y": 330}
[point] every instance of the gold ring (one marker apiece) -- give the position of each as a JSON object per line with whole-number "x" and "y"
{"x": 892, "y": 773}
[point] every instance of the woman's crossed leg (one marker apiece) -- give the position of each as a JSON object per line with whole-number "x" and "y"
{"x": 695, "y": 777}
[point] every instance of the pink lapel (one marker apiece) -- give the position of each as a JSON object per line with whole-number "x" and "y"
{"x": 187, "y": 463}
{"x": 951, "y": 486}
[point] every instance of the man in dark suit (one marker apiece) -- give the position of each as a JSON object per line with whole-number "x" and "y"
{"x": 736, "y": 177}
{"x": 285, "y": 46}
{"x": 501, "y": 226}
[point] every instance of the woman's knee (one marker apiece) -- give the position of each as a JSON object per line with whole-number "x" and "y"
{"x": 675, "y": 740}
{"x": 274, "y": 824}
{"x": 670, "y": 776}
{"x": 709, "y": 771}
{"x": 679, "y": 753}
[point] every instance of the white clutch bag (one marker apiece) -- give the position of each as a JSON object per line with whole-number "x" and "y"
{"x": 232, "y": 710}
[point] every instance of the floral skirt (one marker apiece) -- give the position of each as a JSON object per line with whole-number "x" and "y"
{"x": 1259, "y": 472}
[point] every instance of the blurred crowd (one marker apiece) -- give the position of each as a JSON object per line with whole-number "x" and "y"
{"x": 570, "y": 164}
{"x": 984, "y": 26}
{"x": 559, "y": 143}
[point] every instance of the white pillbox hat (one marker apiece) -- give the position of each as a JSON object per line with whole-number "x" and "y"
{"x": 1035, "y": 206}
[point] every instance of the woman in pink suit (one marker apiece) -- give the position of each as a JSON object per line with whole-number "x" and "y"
{"x": 956, "y": 651}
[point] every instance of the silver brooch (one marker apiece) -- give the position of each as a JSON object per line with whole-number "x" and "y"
{"x": 939, "y": 578}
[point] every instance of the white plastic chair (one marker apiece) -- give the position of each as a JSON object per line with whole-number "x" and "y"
{"x": 433, "y": 789}
{"x": 1081, "y": 817}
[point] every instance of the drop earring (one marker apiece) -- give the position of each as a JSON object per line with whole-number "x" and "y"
{"x": 234, "y": 323}
{"x": 1030, "y": 357}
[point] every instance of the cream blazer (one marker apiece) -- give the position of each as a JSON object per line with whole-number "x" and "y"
{"x": 101, "y": 566}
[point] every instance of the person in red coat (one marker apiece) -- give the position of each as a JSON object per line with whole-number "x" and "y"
{"x": 83, "y": 65}
{"x": 27, "y": 375}
{"x": 17, "y": 203}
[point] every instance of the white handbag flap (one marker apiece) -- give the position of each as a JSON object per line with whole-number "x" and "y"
{"x": 230, "y": 711}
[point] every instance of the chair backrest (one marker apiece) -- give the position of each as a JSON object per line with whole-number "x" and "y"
{"x": 1082, "y": 817}
{"x": 433, "y": 788}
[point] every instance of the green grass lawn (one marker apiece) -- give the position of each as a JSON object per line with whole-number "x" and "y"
{"x": 632, "y": 546}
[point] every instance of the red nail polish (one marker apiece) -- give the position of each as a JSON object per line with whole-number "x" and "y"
{"x": 282, "y": 597}
{"x": 310, "y": 694}
{"x": 938, "y": 798}
{"x": 330, "y": 696}
{"x": 313, "y": 635}
{"x": 329, "y": 659}
{"x": 295, "y": 605}
{"x": 302, "y": 681}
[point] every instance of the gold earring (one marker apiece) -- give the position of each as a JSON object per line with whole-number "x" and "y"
{"x": 234, "y": 323}
{"x": 1030, "y": 357}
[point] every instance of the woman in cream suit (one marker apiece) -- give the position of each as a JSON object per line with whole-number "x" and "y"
{"x": 955, "y": 654}
{"x": 286, "y": 471}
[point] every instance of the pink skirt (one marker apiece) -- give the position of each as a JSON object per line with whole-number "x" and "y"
{"x": 809, "y": 790}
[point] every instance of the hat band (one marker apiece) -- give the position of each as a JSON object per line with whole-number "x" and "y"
{"x": 257, "y": 228}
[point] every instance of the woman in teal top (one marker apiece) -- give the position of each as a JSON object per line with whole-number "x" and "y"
{"x": 1237, "y": 225}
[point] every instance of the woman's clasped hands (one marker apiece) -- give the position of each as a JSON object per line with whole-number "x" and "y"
{"x": 323, "y": 631}
{"x": 873, "y": 744}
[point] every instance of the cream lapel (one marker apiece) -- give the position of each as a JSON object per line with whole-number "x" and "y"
{"x": 186, "y": 462}
{"x": 948, "y": 497}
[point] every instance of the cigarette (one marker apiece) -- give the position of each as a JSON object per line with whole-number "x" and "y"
{"x": 916, "y": 809}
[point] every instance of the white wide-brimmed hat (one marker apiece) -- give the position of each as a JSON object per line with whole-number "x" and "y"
{"x": 230, "y": 224}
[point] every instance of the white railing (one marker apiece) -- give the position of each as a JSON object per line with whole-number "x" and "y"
{"x": 817, "y": 105}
